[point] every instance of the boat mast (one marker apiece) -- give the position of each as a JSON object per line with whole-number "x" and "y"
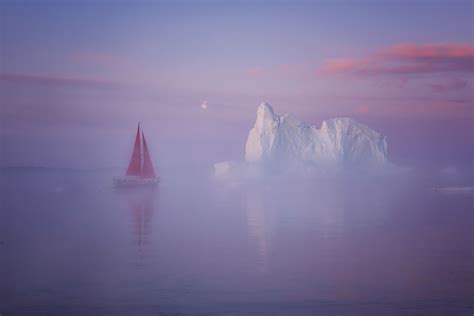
{"x": 141, "y": 148}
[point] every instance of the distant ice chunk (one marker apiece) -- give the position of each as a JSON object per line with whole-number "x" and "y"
{"x": 236, "y": 170}
{"x": 224, "y": 169}
{"x": 449, "y": 171}
{"x": 455, "y": 190}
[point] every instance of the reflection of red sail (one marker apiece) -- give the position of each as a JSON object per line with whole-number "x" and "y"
{"x": 134, "y": 168}
{"x": 138, "y": 223}
{"x": 142, "y": 212}
{"x": 147, "y": 170}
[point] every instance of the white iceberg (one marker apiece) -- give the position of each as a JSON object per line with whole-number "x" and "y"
{"x": 283, "y": 143}
{"x": 339, "y": 142}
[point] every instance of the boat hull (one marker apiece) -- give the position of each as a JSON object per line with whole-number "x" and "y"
{"x": 134, "y": 182}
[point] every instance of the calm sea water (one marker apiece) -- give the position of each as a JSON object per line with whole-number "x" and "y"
{"x": 71, "y": 244}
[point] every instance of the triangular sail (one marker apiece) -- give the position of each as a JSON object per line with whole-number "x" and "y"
{"x": 134, "y": 168}
{"x": 147, "y": 171}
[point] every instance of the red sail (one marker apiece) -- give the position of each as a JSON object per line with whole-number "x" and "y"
{"x": 135, "y": 163}
{"x": 147, "y": 171}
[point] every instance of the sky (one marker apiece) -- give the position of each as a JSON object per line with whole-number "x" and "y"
{"x": 77, "y": 76}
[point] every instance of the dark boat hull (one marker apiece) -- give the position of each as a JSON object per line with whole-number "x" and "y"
{"x": 134, "y": 181}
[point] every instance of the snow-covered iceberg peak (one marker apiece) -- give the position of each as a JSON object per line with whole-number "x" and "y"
{"x": 266, "y": 117}
{"x": 285, "y": 141}
{"x": 262, "y": 135}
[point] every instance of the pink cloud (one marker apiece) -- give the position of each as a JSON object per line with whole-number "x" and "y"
{"x": 411, "y": 50}
{"x": 362, "y": 109}
{"x": 419, "y": 108}
{"x": 406, "y": 59}
{"x": 338, "y": 65}
{"x": 254, "y": 71}
{"x": 47, "y": 79}
{"x": 280, "y": 70}
{"x": 455, "y": 84}
{"x": 104, "y": 59}
{"x": 443, "y": 108}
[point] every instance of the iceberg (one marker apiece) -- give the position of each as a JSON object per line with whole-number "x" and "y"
{"x": 284, "y": 143}
{"x": 284, "y": 140}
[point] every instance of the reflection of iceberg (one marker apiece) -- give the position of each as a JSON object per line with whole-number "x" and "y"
{"x": 260, "y": 226}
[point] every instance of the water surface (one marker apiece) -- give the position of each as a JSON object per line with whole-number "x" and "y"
{"x": 71, "y": 244}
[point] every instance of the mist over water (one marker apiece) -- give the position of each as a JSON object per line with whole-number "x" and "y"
{"x": 351, "y": 243}
{"x": 71, "y": 244}
{"x": 288, "y": 227}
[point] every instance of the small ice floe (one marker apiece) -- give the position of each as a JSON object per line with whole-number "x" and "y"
{"x": 236, "y": 171}
{"x": 449, "y": 171}
{"x": 59, "y": 189}
{"x": 224, "y": 169}
{"x": 455, "y": 190}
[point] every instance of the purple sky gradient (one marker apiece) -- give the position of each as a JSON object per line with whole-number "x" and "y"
{"x": 77, "y": 76}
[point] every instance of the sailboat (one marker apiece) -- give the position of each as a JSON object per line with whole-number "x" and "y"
{"x": 140, "y": 170}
